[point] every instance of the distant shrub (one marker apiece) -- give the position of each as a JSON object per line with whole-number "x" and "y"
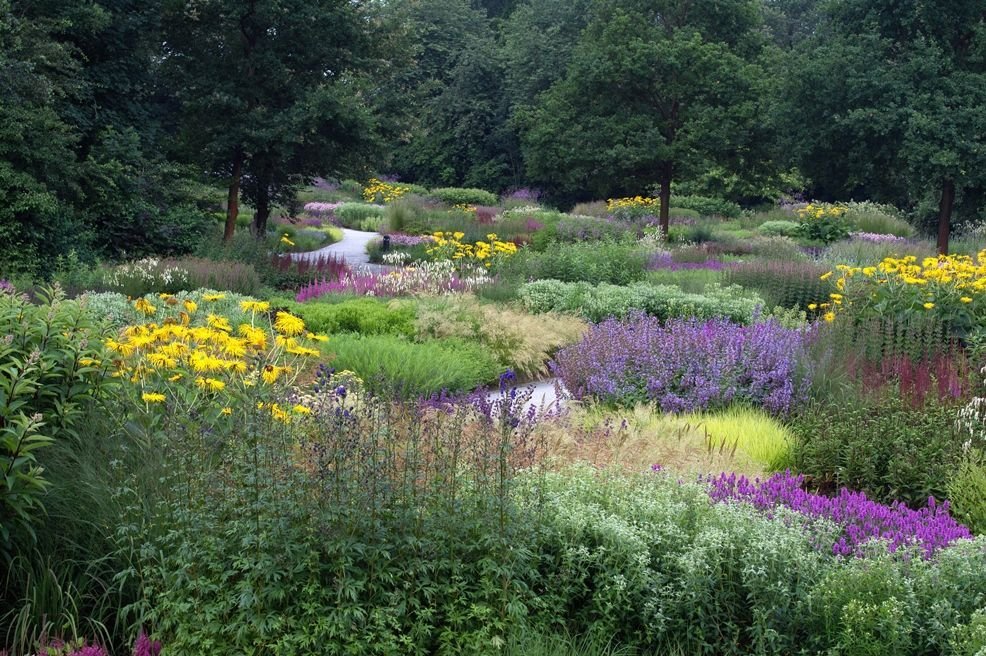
{"x": 967, "y": 491}
{"x": 390, "y": 364}
{"x": 596, "y": 208}
{"x": 778, "y": 228}
{"x": 405, "y": 213}
{"x": 599, "y": 302}
{"x": 706, "y": 206}
{"x": 351, "y": 187}
{"x": 360, "y": 216}
{"x": 878, "y": 219}
{"x": 571, "y": 228}
{"x": 618, "y": 263}
{"x": 463, "y": 196}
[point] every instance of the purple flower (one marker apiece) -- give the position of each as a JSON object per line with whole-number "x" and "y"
{"x": 687, "y": 364}
{"x": 665, "y": 261}
{"x": 860, "y": 520}
{"x": 874, "y": 238}
{"x": 144, "y": 646}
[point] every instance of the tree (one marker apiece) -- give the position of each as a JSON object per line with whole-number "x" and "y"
{"x": 893, "y": 92}
{"x": 654, "y": 91}
{"x": 269, "y": 91}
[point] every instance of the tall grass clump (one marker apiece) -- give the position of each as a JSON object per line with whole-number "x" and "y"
{"x": 785, "y": 284}
{"x": 360, "y": 216}
{"x": 394, "y": 365}
{"x": 753, "y": 431}
{"x": 617, "y": 263}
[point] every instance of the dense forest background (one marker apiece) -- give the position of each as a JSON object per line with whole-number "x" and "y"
{"x": 125, "y": 125}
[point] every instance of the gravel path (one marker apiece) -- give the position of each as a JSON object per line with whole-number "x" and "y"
{"x": 544, "y": 393}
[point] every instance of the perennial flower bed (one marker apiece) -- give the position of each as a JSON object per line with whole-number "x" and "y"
{"x": 686, "y": 364}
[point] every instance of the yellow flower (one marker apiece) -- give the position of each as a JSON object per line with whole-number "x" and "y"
{"x": 813, "y": 306}
{"x": 213, "y": 297}
{"x": 966, "y": 299}
{"x": 153, "y": 397}
{"x": 302, "y": 410}
{"x": 317, "y": 338}
{"x": 191, "y": 306}
{"x": 829, "y": 316}
{"x": 210, "y": 384}
{"x": 219, "y": 323}
{"x": 227, "y": 411}
{"x": 89, "y": 362}
{"x": 288, "y": 324}
{"x": 255, "y": 337}
{"x": 270, "y": 374}
{"x": 254, "y": 306}
{"x": 175, "y": 378}
{"x": 144, "y": 306}
{"x": 928, "y": 306}
{"x": 286, "y": 241}
{"x": 825, "y": 276}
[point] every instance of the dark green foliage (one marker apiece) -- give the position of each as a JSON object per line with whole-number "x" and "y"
{"x": 706, "y": 206}
{"x": 613, "y": 262}
{"x": 360, "y": 216}
{"x": 883, "y": 446}
{"x": 51, "y": 372}
{"x": 967, "y": 491}
{"x": 461, "y": 196}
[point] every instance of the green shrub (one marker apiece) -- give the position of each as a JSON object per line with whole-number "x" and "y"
{"x": 692, "y": 281}
{"x": 967, "y": 491}
{"x": 572, "y": 228}
{"x": 52, "y": 363}
{"x": 352, "y": 187}
{"x": 682, "y": 213}
{"x": 463, "y": 196}
{"x": 596, "y": 208}
{"x": 706, "y": 206}
{"x": 618, "y": 263}
{"x": 598, "y": 302}
{"x": 882, "y": 446}
{"x": 405, "y": 213}
{"x": 391, "y": 364}
{"x": 367, "y": 316}
{"x": 360, "y": 216}
{"x": 778, "y": 229}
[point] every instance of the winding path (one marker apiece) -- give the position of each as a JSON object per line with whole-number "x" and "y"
{"x": 351, "y": 248}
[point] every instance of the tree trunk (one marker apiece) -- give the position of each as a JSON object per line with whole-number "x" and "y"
{"x": 665, "y": 199}
{"x": 945, "y": 214}
{"x": 259, "y": 227}
{"x": 233, "y": 197}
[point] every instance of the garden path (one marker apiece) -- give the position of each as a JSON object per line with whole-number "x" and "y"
{"x": 544, "y": 393}
{"x": 351, "y": 248}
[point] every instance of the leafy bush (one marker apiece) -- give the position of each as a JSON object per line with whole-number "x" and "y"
{"x": 618, "y": 263}
{"x": 686, "y": 365}
{"x": 360, "y": 216}
{"x": 463, "y": 196}
{"x": 391, "y": 364}
{"x": 882, "y": 446}
{"x": 706, "y": 206}
{"x": 598, "y": 302}
{"x": 967, "y": 491}
{"x": 405, "y": 213}
{"x": 519, "y": 342}
{"x": 367, "y": 316}
{"x": 779, "y": 229}
{"x": 788, "y": 284}
{"x": 51, "y": 357}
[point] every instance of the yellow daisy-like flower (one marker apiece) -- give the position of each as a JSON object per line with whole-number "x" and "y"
{"x": 813, "y": 306}
{"x": 213, "y": 297}
{"x": 288, "y": 324}
{"x": 153, "y": 397}
{"x": 191, "y": 306}
{"x": 175, "y": 378}
{"x": 966, "y": 299}
{"x": 829, "y": 316}
{"x": 825, "y": 276}
{"x": 210, "y": 384}
{"x": 219, "y": 323}
{"x": 929, "y": 305}
{"x": 286, "y": 241}
{"x": 227, "y": 411}
{"x": 317, "y": 338}
{"x": 270, "y": 374}
{"x": 254, "y": 306}
{"x": 302, "y": 410}
{"x": 144, "y": 306}
{"x": 255, "y": 337}
{"x": 89, "y": 362}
